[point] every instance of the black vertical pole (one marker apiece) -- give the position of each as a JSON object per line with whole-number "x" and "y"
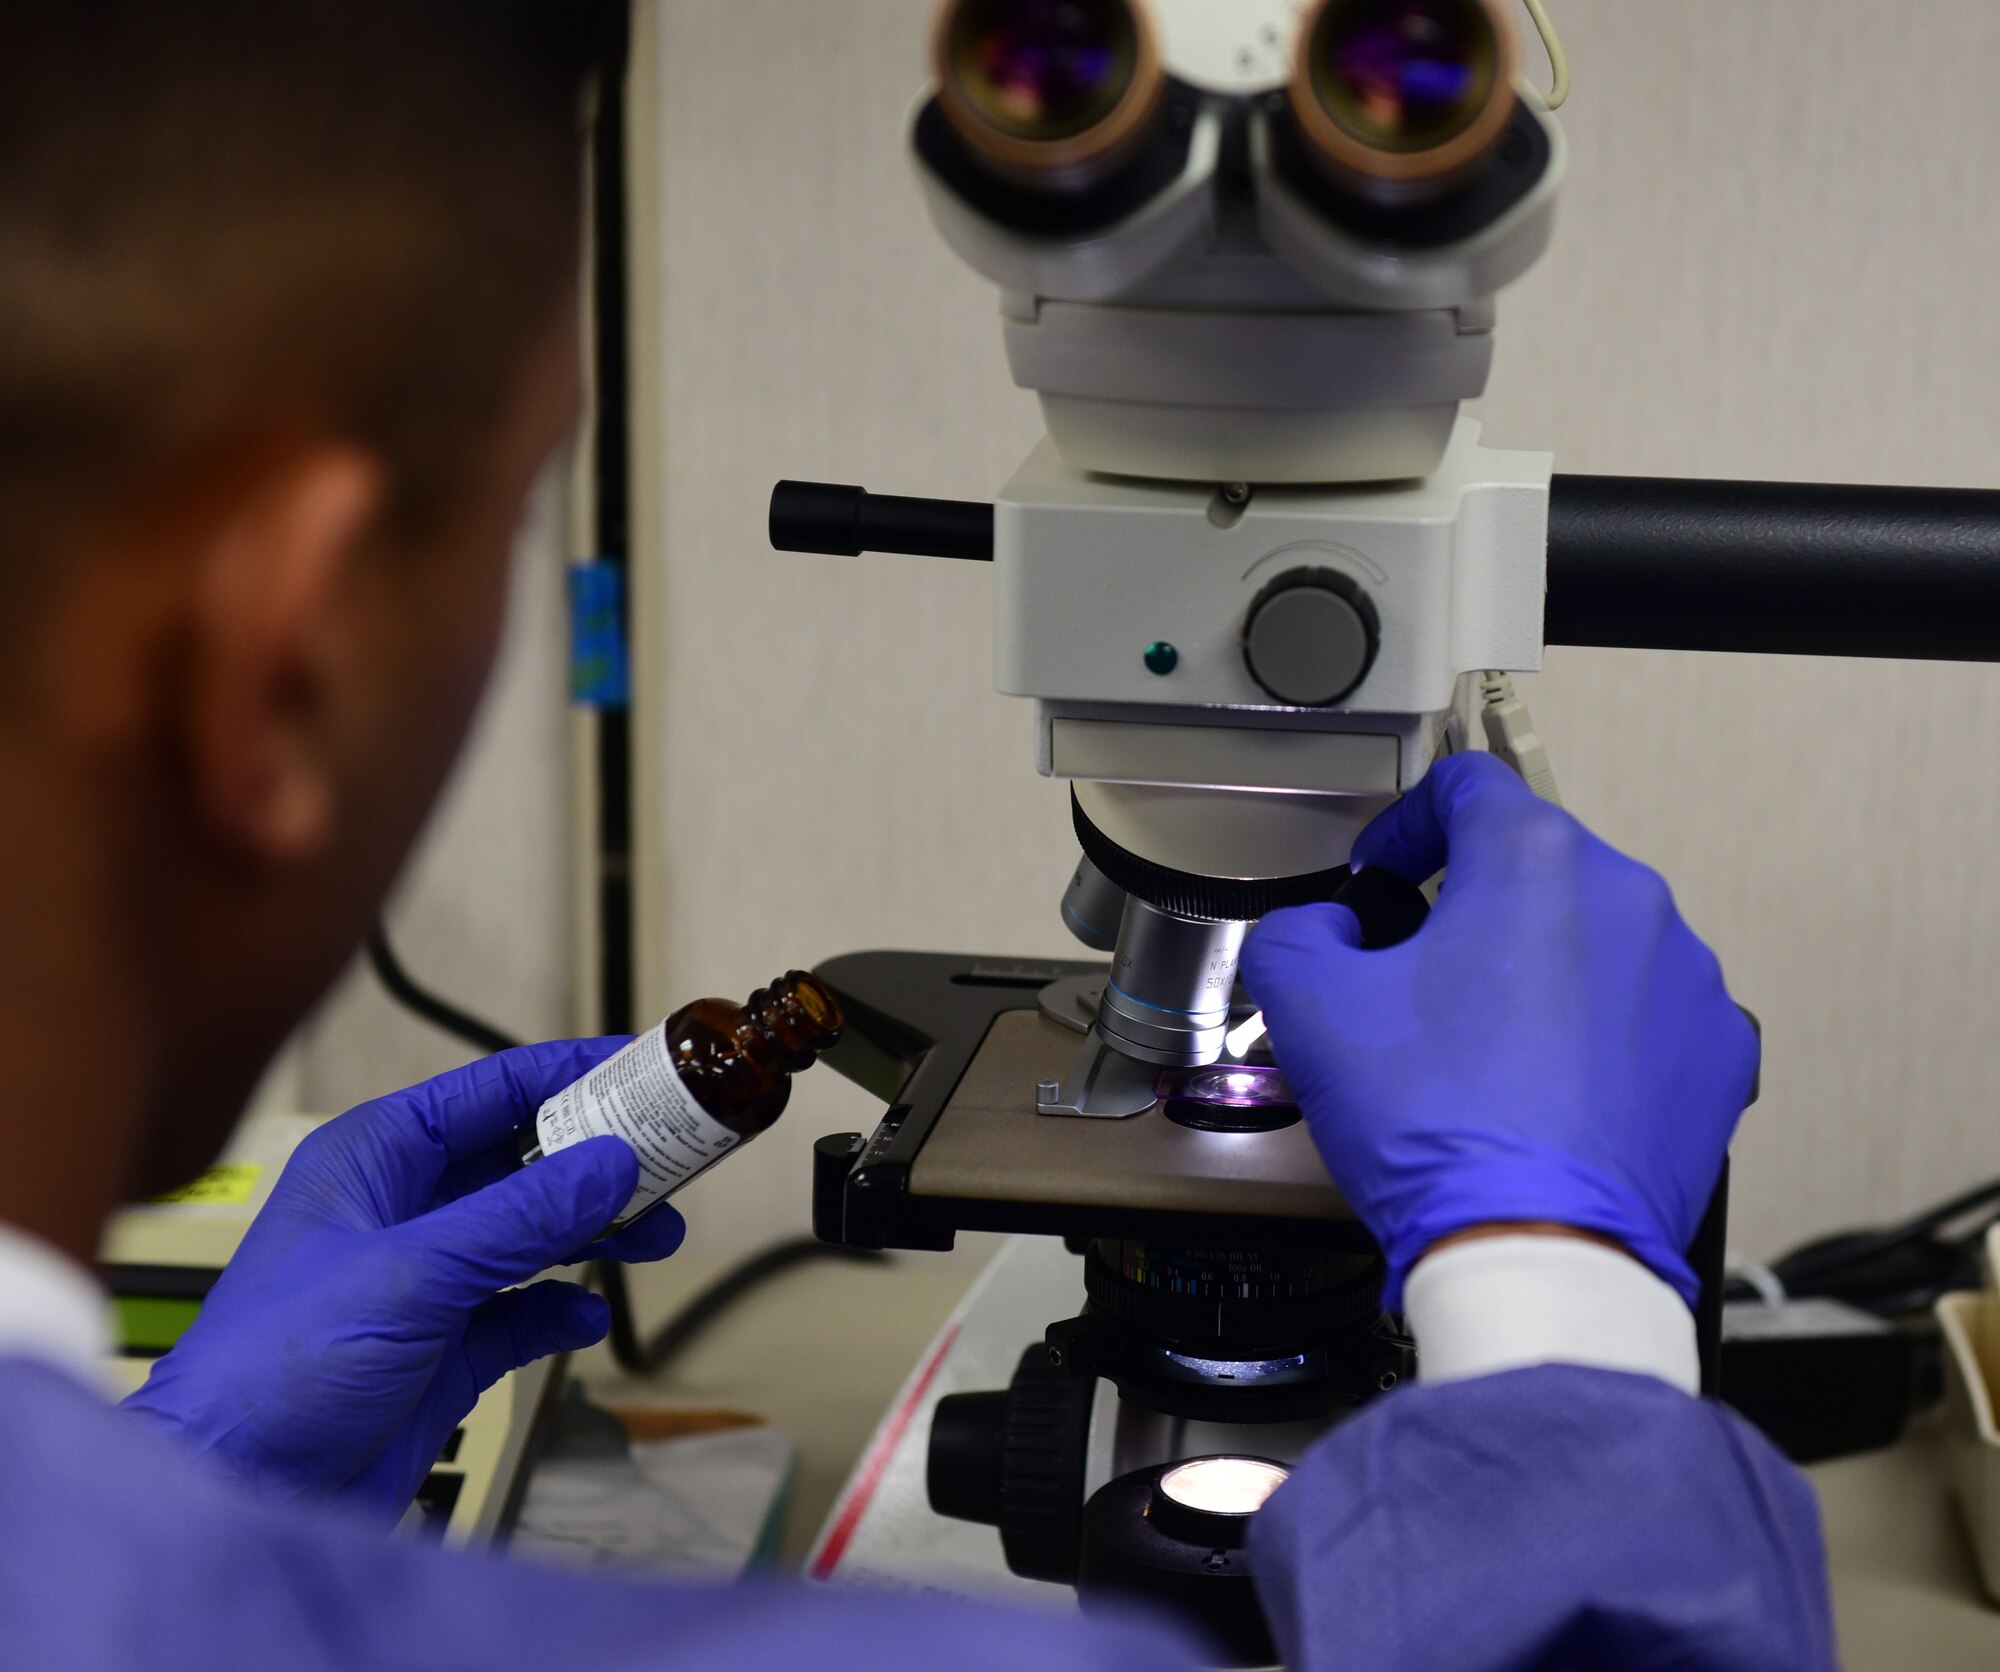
{"x": 611, "y": 302}
{"x": 614, "y": 517}
{"x": 1707, "y": 1255}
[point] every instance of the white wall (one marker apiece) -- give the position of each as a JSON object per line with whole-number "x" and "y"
{"x": 1775, "y": 261}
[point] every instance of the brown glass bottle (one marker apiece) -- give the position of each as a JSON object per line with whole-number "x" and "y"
{"x": 696, "y": 1088}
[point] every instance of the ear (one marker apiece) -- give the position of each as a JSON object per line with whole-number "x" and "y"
{"x": 277, "y": 576}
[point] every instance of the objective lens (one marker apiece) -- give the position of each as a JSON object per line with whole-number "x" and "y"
{"x": 1172, "y": 978}
{"x": 1406, "y": 90}
{"x": 1092, "y": 907}
{"x": 1040, "y": 87}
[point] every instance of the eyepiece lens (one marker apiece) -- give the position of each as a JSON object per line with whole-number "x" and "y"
{"x": 1044, "y": 69}
{"x": 1405, "y": 75}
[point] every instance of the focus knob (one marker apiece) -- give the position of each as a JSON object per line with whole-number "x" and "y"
{"x": 1015, "y": 1461}
{"x": 1311, "y": 637}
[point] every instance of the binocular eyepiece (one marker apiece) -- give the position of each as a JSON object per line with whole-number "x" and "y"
{"x": 1395, "y": 99}
{"x": 1049, "y": 93}
{"x": 1404, "y": 98}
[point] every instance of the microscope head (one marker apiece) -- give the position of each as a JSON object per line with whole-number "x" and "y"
{"x": 1250, "y": 243}
{"x": 1247, "y": 257}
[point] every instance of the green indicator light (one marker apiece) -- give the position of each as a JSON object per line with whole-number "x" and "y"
{"x": 1162, "y": 658}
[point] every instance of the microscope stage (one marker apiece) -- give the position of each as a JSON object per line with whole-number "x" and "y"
{"x": 990, "y": 1145}
{"x": 957, "y": 1046}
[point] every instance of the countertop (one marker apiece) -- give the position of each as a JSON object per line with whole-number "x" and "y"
{"x": 821, "y": 1351}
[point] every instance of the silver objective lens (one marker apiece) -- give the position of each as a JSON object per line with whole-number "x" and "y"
{"x": 1171, "y": 982}
{"x": 1092, "y": 907}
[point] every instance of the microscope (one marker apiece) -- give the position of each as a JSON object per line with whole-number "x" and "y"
{"x": 1258, "y": 576}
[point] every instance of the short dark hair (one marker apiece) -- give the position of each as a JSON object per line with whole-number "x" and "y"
{"x": 220, "y": 213}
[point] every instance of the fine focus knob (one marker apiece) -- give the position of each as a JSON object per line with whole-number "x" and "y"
{"x": 1311, "y": 637}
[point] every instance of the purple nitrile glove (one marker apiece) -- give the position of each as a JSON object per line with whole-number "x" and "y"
{"x": 1554, "y": 1045}
{"x": 371, "y": 1302}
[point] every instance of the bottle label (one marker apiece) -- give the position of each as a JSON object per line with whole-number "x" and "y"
{"x": 638, "y": 1096}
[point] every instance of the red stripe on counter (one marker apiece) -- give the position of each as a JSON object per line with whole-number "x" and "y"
{"x": 869, "y": 1476}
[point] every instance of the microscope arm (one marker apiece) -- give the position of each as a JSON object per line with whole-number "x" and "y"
{"x": 1642, "y": 563}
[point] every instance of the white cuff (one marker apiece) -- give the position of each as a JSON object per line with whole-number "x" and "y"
{"x": 1509, "y": 1302}
{"x": 51, "y": 1309}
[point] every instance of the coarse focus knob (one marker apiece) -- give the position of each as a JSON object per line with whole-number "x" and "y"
{"x": 1015, "y": 1461}
{"x": 1311, "y": 637}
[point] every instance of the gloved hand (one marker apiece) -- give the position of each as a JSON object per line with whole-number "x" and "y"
{"x": 364, "y": 1314}
{"x": 1554, "y": 1045}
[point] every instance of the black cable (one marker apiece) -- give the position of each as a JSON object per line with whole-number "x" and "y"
{"x": 1830, "y": 1254}
{"x": 1894, "y": 1270}
{"x": 440, "y": 1013}
{"x": 646, "y": 1358}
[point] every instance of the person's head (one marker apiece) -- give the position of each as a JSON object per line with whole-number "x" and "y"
{"x": 288, "y": 303}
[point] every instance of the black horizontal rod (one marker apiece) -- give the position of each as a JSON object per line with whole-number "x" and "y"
{"x": 841, "y": 521}
{"x": 1781, "y": 568}
{"x": 1641, "y": 562}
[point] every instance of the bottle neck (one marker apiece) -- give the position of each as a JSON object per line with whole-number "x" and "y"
{"x": 791, "y": 1021}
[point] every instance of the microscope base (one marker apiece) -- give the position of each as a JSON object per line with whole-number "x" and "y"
{"x": 882, "y": 1530}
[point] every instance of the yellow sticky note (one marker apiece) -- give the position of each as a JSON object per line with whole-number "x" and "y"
{"x": 227, "y": 1186}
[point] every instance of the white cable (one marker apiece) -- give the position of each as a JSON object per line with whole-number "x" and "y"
{"x": 1510, "y": 734}
{"x": 1558, "y": 59}
{"x": 1769, "y": 1285}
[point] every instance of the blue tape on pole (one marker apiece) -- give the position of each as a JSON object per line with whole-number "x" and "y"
{"x": 600, "y": 667}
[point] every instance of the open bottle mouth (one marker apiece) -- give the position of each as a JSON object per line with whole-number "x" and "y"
{"x": 1048, "y": 92}
{"x": 799, "y": 1016}
{"x": 1405, "y": 94}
